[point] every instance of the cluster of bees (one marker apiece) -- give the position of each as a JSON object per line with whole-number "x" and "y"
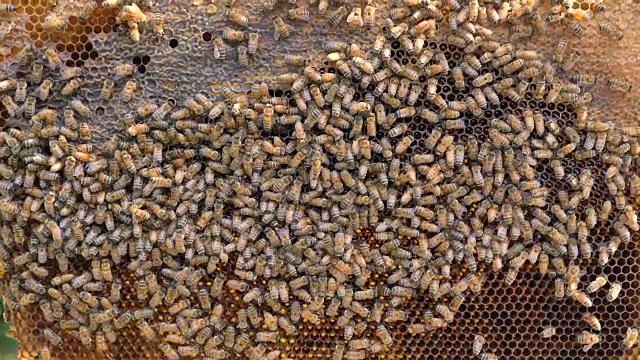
{"x": 130, "y": 16}
{"x": 264, "y": 199}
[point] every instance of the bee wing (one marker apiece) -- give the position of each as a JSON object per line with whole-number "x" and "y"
{"x": 276, "y": 33}
{"x": 360, "y": 21}
{"x": 351, "y": 17}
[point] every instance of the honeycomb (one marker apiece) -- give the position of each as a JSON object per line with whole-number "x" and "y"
{"x": 380, "y": 202}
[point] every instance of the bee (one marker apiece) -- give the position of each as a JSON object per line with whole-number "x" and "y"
{"x": 112, "y": 4}
{"x": 403, "y": 145}
{"x": 614, "y": 291}
{"x": 592, "y": 320}
{"x": 610, "y": 30}
{"x": 369, "y": 15}
{"x": 630, "y": 338}
{"x": 6, "y": 28}
{"x": 127, "y": 91}
{"x": 123, "y": 70}
{"x": 478, "y": 343}
{"x": 281, "y": 29}
{"x": 582, "y": 298}
{"x": 596, "y": 284}
{"x": 29, "y": 106}
{"x": 355, "y": 19}
{"x": 131, "y": 14}
{"x": 618, "y": 84}
{"x": 243, "y": 58}
{"x": 10, "y": 106}
{"x": 68, "y": 73}
{"x": 267, "y": 117}
{"x": 231, "y": 34}
{"x": 21, "y": 91}
{"x": 146, "y": 330}
{"x": 35, "y": 77}
{"x": 482, "y": 80}
{"x": 101, "y": 342}
{"x": 53, "y": 59}
{"x": 548, "y": 332}
{"x": 237, "y": 18}
{"x": 219, "y": 49}
{"x": 134, "y": 31}
{"x": 107, "y": 89}
{"x": 43, "y": 91}
{"x": 266, "y": 336}
{"x": 70, "y": 87}
{"x": 336, "y": 17}
{"x": 80, "y": 108}
{"x": 252, "y": 43}
{"x": 299, "y": 13}
{"x": 54, "y": 22}
{"x": 159, "y": 114}
{"x": 513, "y": 66}
{"x": 587, "y": 339}
{"x": 52, "y": 337}
{"x": 158, "y": 25}
{"x": 45, "y": 353}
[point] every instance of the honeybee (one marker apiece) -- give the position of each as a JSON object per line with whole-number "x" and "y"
{"x": 29, "y": 107}
{"x": 123, "y": 70}
{"x": 36, "y": 73}
{"x": 281, "y": 29}
{"x": 107, "y": 89}
{"x": 131, "y": 14}
{"x": 299, "y": 13}
{"x": 237, "y": 18}
{"x": 5, "y": 29}
{"x": 219, "y": 49}
{"x": 127, "y": 91}
{"x": 548, "y": 332}
{"x": 513, "y": 66}
{"x": 68, "y": 73}
{"x": 146, "y": 330}
{"x": 52, "y": 337}
{"x": 482, "y": 80}
{"x": 160, "y": 113}
{"x": 134, "y": 31}
{"x": 53, "y": 59}
{"x": 614, "y": 291}
{"x": 252, "y": 43}
{"x": 592, "y": 320}
{"x": 21, "y": 91}
{"x": 11, "y": 107}
{"x": 369, "y": 15}
{"x": 158, "y": 25}
{"x": 354, "y": 19}
{"x": 243, "y": 58}
{"x": 596, "y": 284}
{"x": 610, "y": 30}
{"x": 42, "y": 92}
{"x": 80, "y": 107}
{"x": 336, "y": 17}
{"x": 71, "y": 87}
{"x": 231, "y": 34}
{"x": 112, "y": 4}
{"x": 45, "y": 353}
{"x": 478, "y": 343}
{"x": 619, "y": 84}
{"x": 630, "y": 338}
{"x": 54, "y": 22}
